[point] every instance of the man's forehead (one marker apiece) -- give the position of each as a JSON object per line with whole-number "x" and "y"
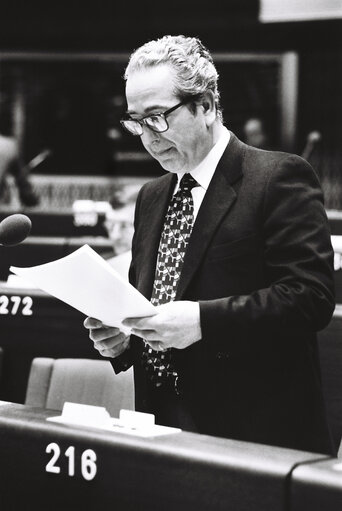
{"x": 149, "y": 87}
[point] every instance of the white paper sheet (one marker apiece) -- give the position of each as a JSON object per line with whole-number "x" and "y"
{"x": 88, "y": 283}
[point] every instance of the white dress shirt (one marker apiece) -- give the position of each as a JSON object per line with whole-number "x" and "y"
{"x": 204, "y": 172}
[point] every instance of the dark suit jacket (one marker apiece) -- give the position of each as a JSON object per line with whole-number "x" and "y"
{"x": 259, "y": 261}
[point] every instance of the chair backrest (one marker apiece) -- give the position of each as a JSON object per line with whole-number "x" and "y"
{"x": 85, "y": 381}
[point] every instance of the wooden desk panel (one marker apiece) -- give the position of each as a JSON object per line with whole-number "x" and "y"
{"x": 41, "y": 326}
{"x": 39, "y": 250}
{"x": 181, "y": 471}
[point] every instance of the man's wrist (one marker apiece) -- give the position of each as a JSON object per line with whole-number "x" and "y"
{"x": 123, "y": 360}
{"x": 123, "y": 347}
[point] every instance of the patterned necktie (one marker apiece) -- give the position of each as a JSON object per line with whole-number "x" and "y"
{"x": 172, "y": 247}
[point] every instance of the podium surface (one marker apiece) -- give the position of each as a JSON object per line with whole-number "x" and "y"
{"x": 317, "y": 486}
{"x": 45, "y": 465}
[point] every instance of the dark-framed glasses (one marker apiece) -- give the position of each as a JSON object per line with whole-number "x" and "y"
{"x": 156, "y": 122}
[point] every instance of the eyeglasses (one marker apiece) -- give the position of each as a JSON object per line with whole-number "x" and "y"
{"x": 156, "y": 122}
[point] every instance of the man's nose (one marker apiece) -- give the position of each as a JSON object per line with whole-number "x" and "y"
{"x": 149, "y": 136}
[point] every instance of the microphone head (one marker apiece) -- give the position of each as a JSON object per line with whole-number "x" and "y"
{"x": 14, "y": 229}
{"x": 314, "y": 136}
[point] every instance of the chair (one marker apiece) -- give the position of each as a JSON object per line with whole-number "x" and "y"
{"x": 93, "y": 382}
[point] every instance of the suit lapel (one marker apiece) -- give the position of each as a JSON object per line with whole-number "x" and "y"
{"x": 218, "y": 199}
{"x": 153, "y": 220}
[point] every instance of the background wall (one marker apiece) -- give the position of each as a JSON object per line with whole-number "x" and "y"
{"x": 107, "y": 28}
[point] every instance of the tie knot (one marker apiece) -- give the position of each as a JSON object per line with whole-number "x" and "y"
{"x": 187, "y": 183}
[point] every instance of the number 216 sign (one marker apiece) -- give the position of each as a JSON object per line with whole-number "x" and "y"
{"x": 88, "y": 461}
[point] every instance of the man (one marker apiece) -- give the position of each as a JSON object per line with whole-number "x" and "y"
{"x": 119, "y": 225}
{"x": 10, "y": 165}
{"x": 233, "y": 350}
{"x": 120, "y": 218}
{"x": 255, "y": 134}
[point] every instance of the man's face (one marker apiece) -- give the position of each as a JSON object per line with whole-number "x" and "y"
{"x": 187, "y": 141}
{"x": 119, "y": 225}
{"x": 254, "y": 133}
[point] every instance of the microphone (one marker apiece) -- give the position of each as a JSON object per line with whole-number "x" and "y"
{"x": 14, "y": 229}
{"x": 313, "y": 138}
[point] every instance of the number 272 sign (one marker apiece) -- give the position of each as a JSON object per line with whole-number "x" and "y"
{"x": 16, "y": 305}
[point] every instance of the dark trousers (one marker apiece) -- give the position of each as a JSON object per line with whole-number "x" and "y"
{"x": 170, "y": 409}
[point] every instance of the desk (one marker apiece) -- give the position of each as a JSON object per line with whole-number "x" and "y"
{"x": 34, "y": 324}
{"x": 60, "y": 223}
{"x": 39, "y": 250}
{"x": 317, "y": 486}
{"x": 181, "y": 471}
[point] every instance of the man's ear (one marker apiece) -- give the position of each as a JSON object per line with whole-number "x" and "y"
{"x": 209, "y": 107}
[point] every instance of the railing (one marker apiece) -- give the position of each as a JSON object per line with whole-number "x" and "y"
{"x": 59, "y": 192}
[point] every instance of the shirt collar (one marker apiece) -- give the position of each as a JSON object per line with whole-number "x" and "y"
{"x": 205, "y": 170}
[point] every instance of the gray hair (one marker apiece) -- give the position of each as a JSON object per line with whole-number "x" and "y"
{"x": 195, "y": 72}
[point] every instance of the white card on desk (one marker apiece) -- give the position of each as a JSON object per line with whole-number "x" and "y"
{"x": 129, "y": 422}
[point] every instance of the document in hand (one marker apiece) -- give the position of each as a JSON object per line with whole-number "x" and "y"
{"x": 88, "y": 283}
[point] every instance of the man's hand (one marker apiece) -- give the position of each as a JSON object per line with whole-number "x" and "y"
{"x": 176, "y": 325}
{"x": 109, "y": 341}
